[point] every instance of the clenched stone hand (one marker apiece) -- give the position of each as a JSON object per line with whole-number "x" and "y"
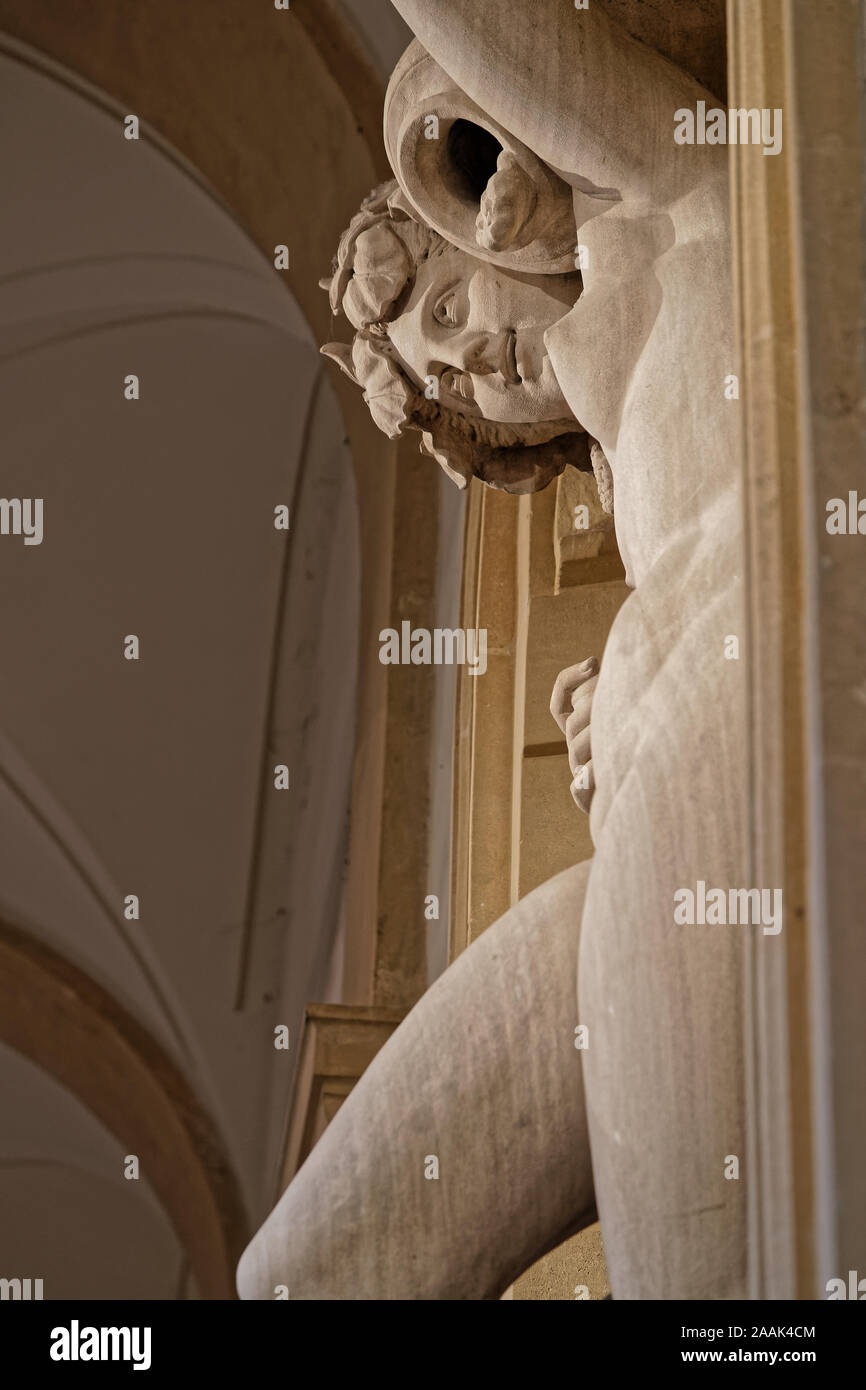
{"x": 570, "y": 705}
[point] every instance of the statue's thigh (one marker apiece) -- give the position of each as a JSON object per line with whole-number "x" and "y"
{"x": 484, "y": 1078}
{"x": 663, "y": 1072}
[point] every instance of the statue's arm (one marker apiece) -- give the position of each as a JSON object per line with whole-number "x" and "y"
{"x": 573, "y": 85}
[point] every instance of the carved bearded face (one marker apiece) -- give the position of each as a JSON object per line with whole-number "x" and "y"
{"x": 479, "y": 329}
{"x": 426, "y": 310}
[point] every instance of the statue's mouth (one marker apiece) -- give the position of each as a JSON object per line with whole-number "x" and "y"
{"x": 508, "y": 359}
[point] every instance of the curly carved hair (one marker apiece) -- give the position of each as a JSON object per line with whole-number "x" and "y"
{"x": 377, "y": 260}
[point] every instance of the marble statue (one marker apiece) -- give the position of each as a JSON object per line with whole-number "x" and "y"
{"x": 546, "y": 284}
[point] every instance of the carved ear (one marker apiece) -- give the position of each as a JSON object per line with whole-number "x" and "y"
{"x": 341, "y": 353}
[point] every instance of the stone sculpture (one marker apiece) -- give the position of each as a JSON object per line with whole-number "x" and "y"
{"x": 555, "y": 148}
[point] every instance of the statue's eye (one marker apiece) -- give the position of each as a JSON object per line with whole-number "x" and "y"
{"x": 457, "y": 384}
{"x": 445, "y": 309}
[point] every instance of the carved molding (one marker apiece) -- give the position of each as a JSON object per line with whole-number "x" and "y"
{"x": 797, "y": 236}
{"x": 484, "y": 762}
{"x": 584, "y": 540}
{"x": 766, "y": 292}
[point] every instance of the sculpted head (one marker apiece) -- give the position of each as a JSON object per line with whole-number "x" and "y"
{"x": 453, "y": 346}
{"x": 478, "y": 330}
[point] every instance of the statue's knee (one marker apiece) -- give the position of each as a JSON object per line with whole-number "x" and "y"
{"x": 277, "y": 1262}
{"x": 250, "y": 1280}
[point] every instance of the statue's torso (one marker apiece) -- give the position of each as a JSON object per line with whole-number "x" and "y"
{"x": 663, "y": 1002}
{"x": 645, "y": 357}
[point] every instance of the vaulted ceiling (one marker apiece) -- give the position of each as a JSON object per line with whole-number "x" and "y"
{"x": 154, "y": 777}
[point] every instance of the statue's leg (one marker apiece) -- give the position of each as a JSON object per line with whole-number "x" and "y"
{"x": 663, "y": 1086}
{"x": 483, "y": 1077}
